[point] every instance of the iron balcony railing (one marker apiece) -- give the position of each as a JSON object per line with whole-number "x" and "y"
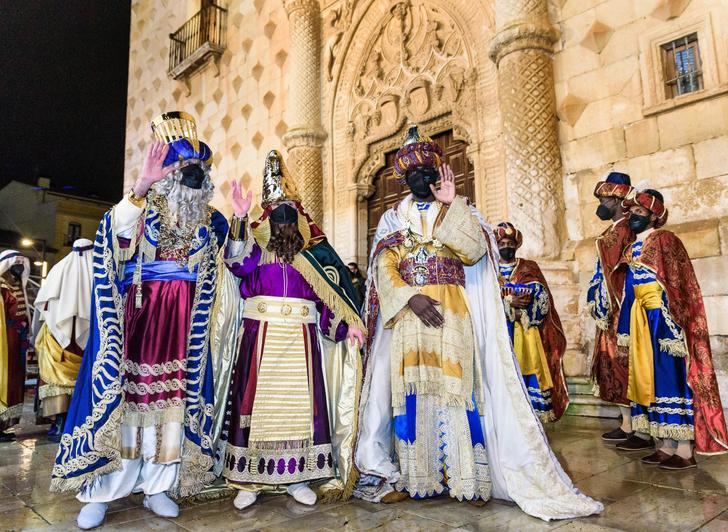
{"x": 203, "y": 35}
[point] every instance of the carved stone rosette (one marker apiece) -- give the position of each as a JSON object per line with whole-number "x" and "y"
{"x": 522, "y": 52}
{"x": 306, "y": 135}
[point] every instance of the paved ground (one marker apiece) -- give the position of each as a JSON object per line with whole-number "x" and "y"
{"x": 636, "y": 497}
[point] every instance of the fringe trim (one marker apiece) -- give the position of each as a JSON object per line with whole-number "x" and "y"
{"x": 108, "y": 443}
{"x": 623, "y": 340}
{"x": 8, "y": 413}
{"x": 330, "y": 298}
{"x": 674, "y": 348}
{"x": 641, "y": 423}
{"x": 154, "y": 418}
{"x": 279, "y": 445}
{"x": 430, "y": 388}
{"x": 53, "y": 390}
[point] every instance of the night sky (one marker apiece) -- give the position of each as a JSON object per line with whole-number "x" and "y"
{"x": 63, "y": 76}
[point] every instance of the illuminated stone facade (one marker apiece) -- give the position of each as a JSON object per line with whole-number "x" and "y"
{"x": 548, "y": 95}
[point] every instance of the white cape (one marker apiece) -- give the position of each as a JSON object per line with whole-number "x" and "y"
{"x": 66, "y": 294}
{"x": 522, "y": 466}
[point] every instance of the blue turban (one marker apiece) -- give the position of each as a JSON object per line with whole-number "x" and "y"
{"x": 182, "y": 150}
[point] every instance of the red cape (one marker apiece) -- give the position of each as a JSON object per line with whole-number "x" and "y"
{"x": 609, "y": 370}
{"x": 552, "y": 334}
{"x": 664, "y": 253}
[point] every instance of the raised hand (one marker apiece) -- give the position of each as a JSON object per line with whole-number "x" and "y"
{"x": 241, "y": 205}
{"x": 446, "y": 193}
{"x": 153, "y": 168}
{"x": 425, "y": 308}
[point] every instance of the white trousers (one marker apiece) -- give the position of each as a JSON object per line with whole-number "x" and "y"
{"x": 138, "y": 475}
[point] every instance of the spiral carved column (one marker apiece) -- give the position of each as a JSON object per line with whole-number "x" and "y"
{"x": 305, "y": 137}
{"x": 522, "y": 49}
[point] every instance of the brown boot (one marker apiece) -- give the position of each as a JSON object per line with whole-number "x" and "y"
{"x": 635, "y": 443}
{"x": 394, "y": 496}
{"x": 655, "y": 458}
{"x": 678, "y": 463}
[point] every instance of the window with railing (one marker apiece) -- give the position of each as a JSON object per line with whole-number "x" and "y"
{"x": 682, "y": 66}
{"x": 200, "y": 38}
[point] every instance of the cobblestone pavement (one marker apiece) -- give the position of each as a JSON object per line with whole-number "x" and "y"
{"x": 636, "y": 497}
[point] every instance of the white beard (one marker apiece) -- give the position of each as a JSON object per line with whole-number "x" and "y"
{"x": 187, "y": 206}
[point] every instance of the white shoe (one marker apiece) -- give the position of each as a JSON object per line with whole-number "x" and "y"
{"x": 244, "y": 499}
{"x": 161, "y": 505}
{"x": 91, "y": 515}
{"x": 302, "y": 493}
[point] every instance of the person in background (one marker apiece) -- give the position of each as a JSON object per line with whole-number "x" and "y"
{"x": 358, "y": 279}
{"x": 64, "y": 306}
{"x": 14, "y": 327}
{"x": 663, "y": 329}
{"x": 609, "y": 367}
{"x": 533, "y": 325}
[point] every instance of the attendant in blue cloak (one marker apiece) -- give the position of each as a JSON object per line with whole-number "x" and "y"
{"x": 142, "y": 410}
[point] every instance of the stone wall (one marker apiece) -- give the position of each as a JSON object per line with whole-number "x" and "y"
{"x": 384, "y": 63}
{"x": 613, "y": 115}
{"x": 240, "y": 112}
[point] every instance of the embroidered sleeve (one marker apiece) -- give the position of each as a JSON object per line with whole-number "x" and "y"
{"x": 394, "y": 292}
{"x": 242, "y": 257}
{"x": 536, "y": 311}
{"x": 461, "y": 232}
{"x": 597, "y": 298}
{"x": 125, "y": 219}
{"x": 332, "y": 327}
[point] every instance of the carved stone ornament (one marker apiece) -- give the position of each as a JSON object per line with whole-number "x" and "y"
{"x": 417, "y": 68}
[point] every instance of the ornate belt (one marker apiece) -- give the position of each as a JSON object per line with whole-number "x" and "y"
{"x": 432, "y": 270}
{"x": 280, "y": 309}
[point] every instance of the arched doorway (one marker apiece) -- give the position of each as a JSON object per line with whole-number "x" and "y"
{"x": 387, "y": 191}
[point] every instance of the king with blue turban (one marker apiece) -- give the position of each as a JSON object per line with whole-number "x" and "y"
{"x": 141, "y": 415}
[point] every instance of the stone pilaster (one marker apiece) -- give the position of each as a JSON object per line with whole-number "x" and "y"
{"x": 522, "y": 49}
{"x": 305, "y": 137}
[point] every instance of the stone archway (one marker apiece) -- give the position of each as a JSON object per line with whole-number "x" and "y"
{"x": 420, "y": 61}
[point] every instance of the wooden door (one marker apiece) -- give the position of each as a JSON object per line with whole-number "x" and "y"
{"x": 388, "y": 192}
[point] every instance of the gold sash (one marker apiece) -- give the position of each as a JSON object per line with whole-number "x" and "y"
{"x": 282, "y": 414}
{"x": 531, "y": 355}
{"x": 641, "y": 384}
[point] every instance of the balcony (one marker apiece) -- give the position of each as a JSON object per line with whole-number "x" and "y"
{"x": 199, "y": 39}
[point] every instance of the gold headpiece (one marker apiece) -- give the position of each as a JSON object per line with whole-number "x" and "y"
{"x": 175, "y": 125}
{"x": 278, "y": 184}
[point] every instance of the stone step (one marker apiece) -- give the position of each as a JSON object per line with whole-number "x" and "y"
{"x": 582, "y": 405}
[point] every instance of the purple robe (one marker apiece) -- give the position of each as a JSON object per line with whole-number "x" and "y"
{"x": 280, "y": 465}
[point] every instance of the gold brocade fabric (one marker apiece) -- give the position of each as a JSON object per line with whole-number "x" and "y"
{"x": 56, "y": 365}
{"x": 641, "y": 384}
{"x": 531, "y": 355}
{"x": 428, "y": 360}
{"x": 282, "y": 410}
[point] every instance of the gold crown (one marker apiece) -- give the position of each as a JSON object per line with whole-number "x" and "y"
{"x": 176, "y": 125}
{"x": 278, "y": 185}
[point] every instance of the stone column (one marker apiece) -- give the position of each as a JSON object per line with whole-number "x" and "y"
{"x": 522, "y": 49}
{"x": 305, "y": 137}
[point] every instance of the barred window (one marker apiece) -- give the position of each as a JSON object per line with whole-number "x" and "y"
{"x": 682, "y": 66}
{"x": 73, "y": 233}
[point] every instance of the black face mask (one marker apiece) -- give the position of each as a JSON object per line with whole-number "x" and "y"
{"x": 419, "y": 182}
{"x": 507, "y": 254}
{"x": 638, "y": 223}
{"x": 192, "y": 176}
{"x": 605, "y": 213}
{"x": 17, "y": 270}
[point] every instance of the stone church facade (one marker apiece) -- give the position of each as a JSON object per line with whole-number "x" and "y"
{"x": 534, "y": 101}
